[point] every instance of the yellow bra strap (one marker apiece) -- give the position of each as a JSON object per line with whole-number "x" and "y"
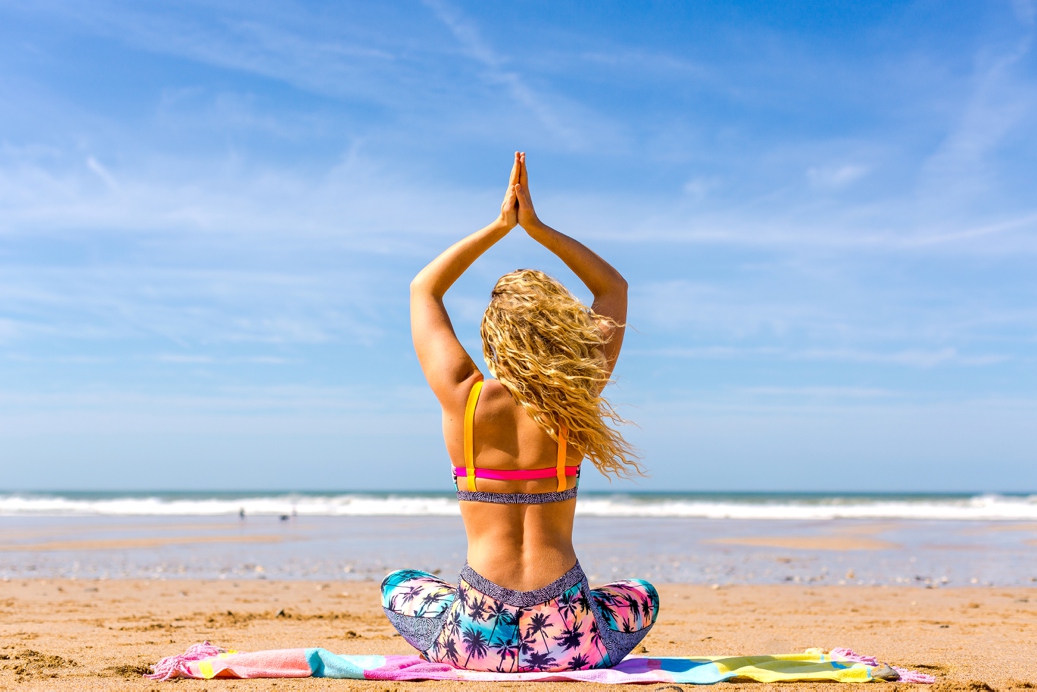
{"x": 563, "y": 433}
{"x": 469, "y": 434}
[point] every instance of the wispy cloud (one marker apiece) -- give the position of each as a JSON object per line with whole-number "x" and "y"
{"x": 499, "y": 71}
{"x": 913, "y": 358}
{"x": 1022, "y": 223}
{"x": 191, "y": 306}
{"x": 836, "y": 176}
{"x": 823, "y": 392}
{"x": 276, "y": 44}
{"x": 1001, "y": 101}
{"x": 187, "y": 359}
{"x": 106, "y": 177}
{"x": 909, "y": 358}
{"x": 356, "y": 199}
{"x": 254, "y": 410}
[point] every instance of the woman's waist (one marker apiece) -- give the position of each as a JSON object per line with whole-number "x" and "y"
{"x": 527, "y": 593}
{"x": 522, "y": 572}
{"x": 516, "y": 545}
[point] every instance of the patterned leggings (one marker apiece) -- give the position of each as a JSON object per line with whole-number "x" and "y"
{"x": 478, "y": 625}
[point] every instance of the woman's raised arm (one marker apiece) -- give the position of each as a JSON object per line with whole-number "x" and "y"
{"x": 447, "y": 366}
{"x": 606, "y": 284}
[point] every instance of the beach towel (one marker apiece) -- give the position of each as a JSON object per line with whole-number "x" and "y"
{"x": 206, "y": 661}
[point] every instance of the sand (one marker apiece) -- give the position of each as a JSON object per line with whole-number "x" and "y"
{"x": 840, "y": 543}
{"x": 100, "y": 635}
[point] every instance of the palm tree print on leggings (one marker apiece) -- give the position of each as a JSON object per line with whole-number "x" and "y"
{"x": 474, "y": 644}
{"x": 479, "y": 632}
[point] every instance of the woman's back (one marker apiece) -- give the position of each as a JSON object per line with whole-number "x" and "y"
{"x": 525, "y": 546}
{"x": 522, "y": 601}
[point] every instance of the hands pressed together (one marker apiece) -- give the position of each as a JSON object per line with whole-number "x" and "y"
{"x": 446, "y": 364}
{"x": 517, "y": 208}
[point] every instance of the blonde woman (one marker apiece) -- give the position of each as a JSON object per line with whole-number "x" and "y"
{"x": 522, "y": 603}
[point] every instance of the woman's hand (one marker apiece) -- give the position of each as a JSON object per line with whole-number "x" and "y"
{"x": 527, "y": 216}
{"x": 509, "y": 208}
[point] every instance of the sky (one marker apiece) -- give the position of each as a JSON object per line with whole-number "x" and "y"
{"x": 210, "y": 213}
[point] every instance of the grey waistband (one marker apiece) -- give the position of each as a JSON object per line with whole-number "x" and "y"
{"x": 523, "y": 599}
{"x": 517, "y": 498}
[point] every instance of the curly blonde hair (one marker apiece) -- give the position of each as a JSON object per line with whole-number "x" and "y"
{"x": 546, "y": 348}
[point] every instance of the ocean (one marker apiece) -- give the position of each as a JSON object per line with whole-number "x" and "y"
{"x": 925, "y": 540}
{"x": 761, "y": 506}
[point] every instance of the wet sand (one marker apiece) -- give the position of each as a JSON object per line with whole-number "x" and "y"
{"x": 663, "y": 550}
{"x": 101, "y": 635}
{"x": 809, "y": 542}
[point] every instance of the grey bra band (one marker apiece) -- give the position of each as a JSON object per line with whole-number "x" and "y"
{"x": 517, "y": 498}
{"x": 523, "y": 599}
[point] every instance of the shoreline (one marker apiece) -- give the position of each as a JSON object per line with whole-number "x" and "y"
{"x": 102, "y": 634}
{"x": 662, "y": 550}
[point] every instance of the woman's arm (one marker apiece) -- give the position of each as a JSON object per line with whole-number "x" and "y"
{"x": 447, "y": 366}
{"x": 606, "y": 284}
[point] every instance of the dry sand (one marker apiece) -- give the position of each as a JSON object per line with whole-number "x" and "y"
{"x": 101, "y": 635}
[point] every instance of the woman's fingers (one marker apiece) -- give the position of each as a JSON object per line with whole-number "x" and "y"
{"x": 516, "y": 168}
{"x": 523, "y": 176}
{"x": 509, "y": 207}
{"x": 523, "y": 197}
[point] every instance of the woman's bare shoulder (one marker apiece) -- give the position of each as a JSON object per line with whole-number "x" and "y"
{"x": 496, "y": 405}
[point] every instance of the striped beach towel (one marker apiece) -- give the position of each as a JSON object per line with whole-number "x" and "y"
{"x": 206, "y": 661}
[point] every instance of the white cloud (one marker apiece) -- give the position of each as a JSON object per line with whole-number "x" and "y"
{"x": 194, "y": 307}
{"x": 9, "y": 330}
{"x": 359, "y": 200}
{"x": 835, "y": 177}
{"x": 1000, "y": 101}
{"x": 106, "y": 177}
{"x": 1022, "y": 223}
{"x": 553, "y": 110}
{"x": 913, "y": 357}
{"x": 823, "y": 392}
{"x": 699, "y": 187}
{"x": 1025, "y": 10}
{"x": 917, "y": 358}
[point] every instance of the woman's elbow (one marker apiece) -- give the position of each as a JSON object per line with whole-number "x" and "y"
{"x": 424, "y": 286}
{"x": 617, "y": 286}
{"x": 419, "y": 284}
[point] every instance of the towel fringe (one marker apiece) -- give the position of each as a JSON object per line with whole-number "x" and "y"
{"x": 905, "y": 674}
{"x": 173, "y": 666}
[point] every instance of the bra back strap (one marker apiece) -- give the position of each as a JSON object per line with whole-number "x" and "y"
{"x": 563, "y": 433}
{"x": 469, "y": 434}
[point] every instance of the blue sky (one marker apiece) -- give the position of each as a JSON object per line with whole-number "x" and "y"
{"x": 210, "y": 212}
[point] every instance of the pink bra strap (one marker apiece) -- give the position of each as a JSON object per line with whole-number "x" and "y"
{"x": 515, "y": 474}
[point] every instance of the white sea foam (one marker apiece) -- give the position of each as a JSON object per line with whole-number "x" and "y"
{"x": 772, "y": 507}
{"x": 983, "y": 507}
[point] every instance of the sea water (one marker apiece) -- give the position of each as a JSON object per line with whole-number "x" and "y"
{"x": 711, "y": 538}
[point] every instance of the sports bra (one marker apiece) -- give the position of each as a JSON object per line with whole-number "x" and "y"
{"x": 470, "y": 473}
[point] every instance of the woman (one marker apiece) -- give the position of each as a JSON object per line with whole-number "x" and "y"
{"x": 522, "y": 602}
